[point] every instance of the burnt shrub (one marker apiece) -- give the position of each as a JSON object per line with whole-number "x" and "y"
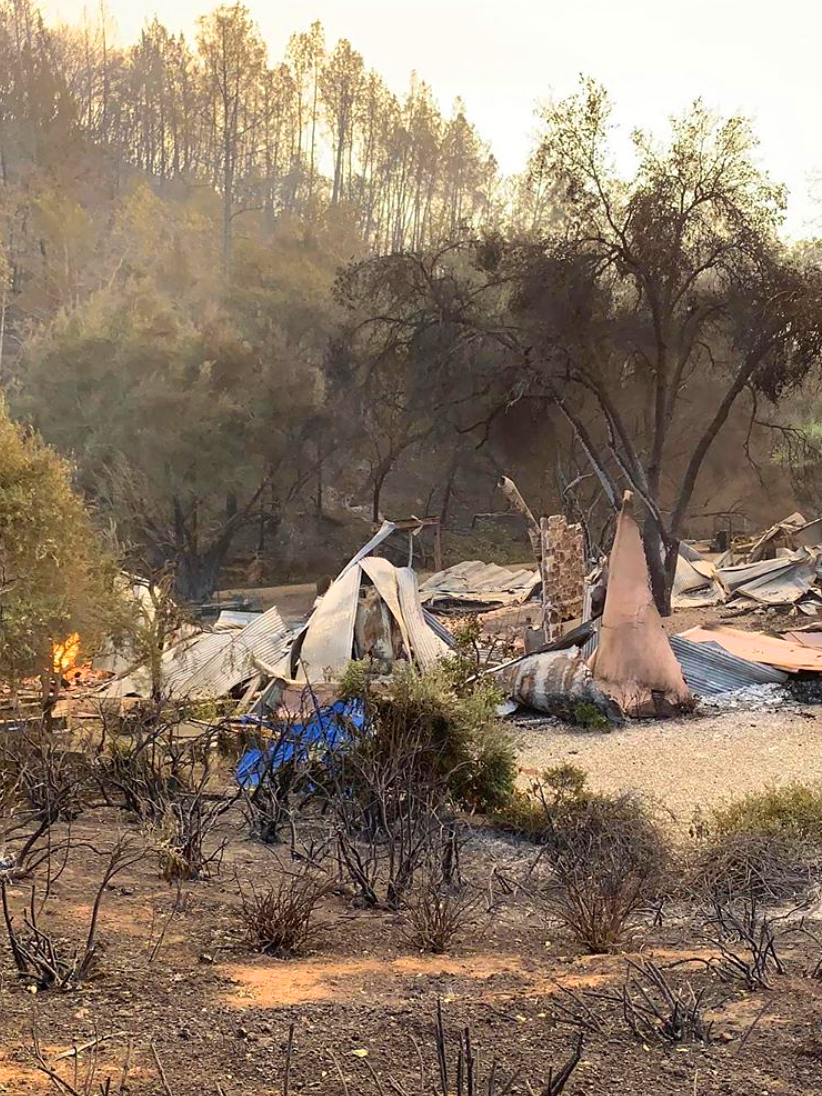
{"x": 281, "y": 919}
{"x": 769, "y": 866}
{"x": 609, "y": 861}
{"x": 609, "y": 857}
{"x": 393, "y": 783}
{"x": 51, "y": 778}
{"x": 438, "y": 915}
{"x": 530, "y": 813}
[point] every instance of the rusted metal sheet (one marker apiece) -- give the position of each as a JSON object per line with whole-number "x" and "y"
{"x": 756, "y": 647}
{"x": 805, "y": 638}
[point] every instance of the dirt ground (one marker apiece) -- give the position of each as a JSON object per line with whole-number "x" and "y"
{"x": 183, "y": 998}
{"x": 178, "y": 980}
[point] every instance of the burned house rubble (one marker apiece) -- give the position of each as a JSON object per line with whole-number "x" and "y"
{"x": 555, "y": 632}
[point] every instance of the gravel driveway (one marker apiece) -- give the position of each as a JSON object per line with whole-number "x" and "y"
{"x": 685, "y": 763}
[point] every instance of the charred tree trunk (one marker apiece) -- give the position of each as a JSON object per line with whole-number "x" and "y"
{"x": 661, "y": 559}
{"x": 197, "y": 567}
{"x": 197, "y": 573}
{"x": 376, "y": 492}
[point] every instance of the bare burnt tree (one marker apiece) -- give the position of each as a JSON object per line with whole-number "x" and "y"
{"x": 464, "y": 1076}
{"x": 42, "y": 783}
{"x": 649, "y": 297}
{"x": 279, "y": 781}
{"x": 387, "y": 826}
{"x": 49, "y": 775}
{"x": 87, "y": 1080}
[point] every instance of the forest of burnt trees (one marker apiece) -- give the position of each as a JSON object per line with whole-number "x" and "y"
{"x": 314, "y": 129}
{"x": 259, "y": 301}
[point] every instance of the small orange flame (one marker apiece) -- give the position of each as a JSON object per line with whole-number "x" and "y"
{"x": 65, "y": 653}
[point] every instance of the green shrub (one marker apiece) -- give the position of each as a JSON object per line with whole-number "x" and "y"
{"x": 792, "y": 809}
{"x": 587, "y": 714}
{"x": 530, "y": 813}
{"x": 766, "y": 843}
{"x": 457, "y": 734}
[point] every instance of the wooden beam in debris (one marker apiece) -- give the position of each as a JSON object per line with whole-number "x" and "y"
{"x": 518, "y": 503}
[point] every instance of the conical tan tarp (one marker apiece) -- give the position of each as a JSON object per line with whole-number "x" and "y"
{"x": 634, "y": 662}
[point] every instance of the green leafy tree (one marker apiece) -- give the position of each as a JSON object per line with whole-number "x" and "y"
{"x": 55, "y": 578}
{"x": 184, "y": 426}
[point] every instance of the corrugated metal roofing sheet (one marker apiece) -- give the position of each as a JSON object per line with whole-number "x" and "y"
{"x": 329, "y": 635}
{"x": 177, "y": 665}
{"x": 439, "y": 629}
{"x": 427, "y": 646}
{"x": 261, "y": 643}
{"x": 741, "y": 574}
{"x": 183, "y": 661}
{"x": 233, "y": 619}
{"x": 709, "y": 669}
{"x": 384, "y": 576}
{"x": 475, "y": 581}
{"x": 384, "y": 531}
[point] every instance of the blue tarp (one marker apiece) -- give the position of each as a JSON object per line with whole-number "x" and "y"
{"x": 326, "y": 729}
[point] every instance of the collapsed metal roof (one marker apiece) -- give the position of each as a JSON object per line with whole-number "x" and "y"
{"x": 787, "y": 579}
{"x": 177, "y": 665}
{"x": 257, "y": 648}
{"x": 326, "y": 645}
{"x": 475, "y": 583}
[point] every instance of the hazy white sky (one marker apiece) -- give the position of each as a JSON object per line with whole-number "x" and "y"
{"x": 505, "y": 56}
